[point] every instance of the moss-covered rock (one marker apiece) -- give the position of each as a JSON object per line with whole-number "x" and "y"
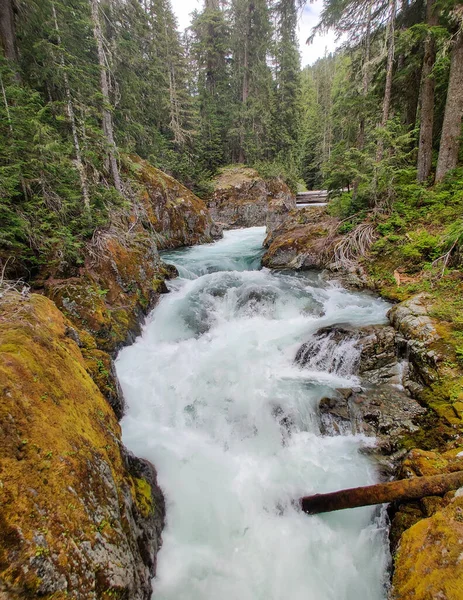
{"x": 177, "y": 216}
{"x": 429, "y": 561}
{"x": 242, "y": 198}
{"x": 123, "y": 274}
{"x": 80, "y": 518}
{"x": 304, "y": 240}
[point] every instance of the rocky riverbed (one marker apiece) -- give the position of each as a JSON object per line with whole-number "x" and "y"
{"x": 412, "y": 400}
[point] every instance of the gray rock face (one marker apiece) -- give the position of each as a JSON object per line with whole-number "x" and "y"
{"x": 243, "y": 199}
{"x": 381, "y": 407}
{"x": 418, "y": 340}
{"x": 383, "y": 411}
{"x": 369, "y": 351}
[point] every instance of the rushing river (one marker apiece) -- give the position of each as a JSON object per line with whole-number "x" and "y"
{"x": 216, "y": 402}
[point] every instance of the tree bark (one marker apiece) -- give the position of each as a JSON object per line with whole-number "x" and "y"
{"x": 7, "y": 30}
{"x": 424, "y": 162}
{"x": 390, "y": 33}
{"x": 72, "y": 118}
{"x": 107, "y": 117}
{"x": 451, "y": 129}
{"x": 403, "y": 490}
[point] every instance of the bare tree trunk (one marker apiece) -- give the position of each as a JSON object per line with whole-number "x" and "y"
{"x": 107, "y": 117}
{"x": 365, "y": 88}
{"x": 366, "y": 77}
{"x": 7, "y": 107}
{"x": 7, "y": 30}
{"x": 451, "y": 129}
{"x": 402, "y": 490}
{"x": 72, "y": 118}
{"x": 244, "y": 97}
{"x": 389, "y": 70}
{"x": 424, "y": 163}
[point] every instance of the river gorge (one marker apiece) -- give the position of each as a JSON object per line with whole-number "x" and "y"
{"x": 217, "y": 402}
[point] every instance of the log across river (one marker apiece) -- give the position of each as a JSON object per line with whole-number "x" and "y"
{"x": 217, "y": 403}
{"x": 392, "y": 491}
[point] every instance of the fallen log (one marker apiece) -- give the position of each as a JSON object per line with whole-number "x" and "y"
{"x": 402, "y": 490}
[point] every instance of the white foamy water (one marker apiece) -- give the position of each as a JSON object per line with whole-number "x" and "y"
{"x": 216, "y": 402}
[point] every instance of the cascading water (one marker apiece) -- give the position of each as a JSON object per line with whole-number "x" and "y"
{"x": 217, "y": 403}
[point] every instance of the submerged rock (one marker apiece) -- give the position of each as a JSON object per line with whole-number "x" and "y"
{"x": 242, "y": 198}
{"x": 79, "y": 518}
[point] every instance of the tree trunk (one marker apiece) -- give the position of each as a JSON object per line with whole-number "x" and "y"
{"x": 424, "y": 163}
{"x": 365, "y": 88}
{"x": 390, "y": 32}
{"x": 451, "y": 129}
{"x": 7, "y": 107}
{"x": 72, "y": 118}
{"x": 107, "y": 117}
{"x": 403, "y": 490}
{"x": 366, "y": 77}
{"x": 7, "y": 30}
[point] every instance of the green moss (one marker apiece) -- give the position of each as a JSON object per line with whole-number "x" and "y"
{"x": 143, "y": 496}
{"x": 56, "y": 429}
{"x": 428, "y": 563}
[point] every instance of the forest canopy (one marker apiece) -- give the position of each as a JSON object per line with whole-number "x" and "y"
{"x": 85, "y": 83}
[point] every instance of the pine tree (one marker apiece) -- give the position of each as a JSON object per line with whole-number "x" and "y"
{"x": 251, "y": 80}
{"x": 287, "y": 117}
{"x": 211, "y": 49}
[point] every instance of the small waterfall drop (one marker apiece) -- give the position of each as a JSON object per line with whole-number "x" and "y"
{"x": 217, "y": 402}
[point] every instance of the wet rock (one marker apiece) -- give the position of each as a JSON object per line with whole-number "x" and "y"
{"x": 384, "y": 412}
{"x": 370, "y": 352}
{"x": 242, "y": 198}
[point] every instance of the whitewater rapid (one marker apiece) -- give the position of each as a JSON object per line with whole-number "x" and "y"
{"x": 216, "y": 402}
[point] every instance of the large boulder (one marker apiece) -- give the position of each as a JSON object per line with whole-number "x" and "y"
{"x": 242, "y": 198}
{"x": 80, "y": 517}
{"x": 172, "y": 211}
{"x": 380, "y": 407}
{"x": 434, "y": 375}
{"x": 304, "y": 240}
{"x": 429, "y": 534}
{"x": 369, "y": 351}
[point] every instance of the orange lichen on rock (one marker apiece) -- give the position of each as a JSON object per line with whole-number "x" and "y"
{"x": 68, "y": 502}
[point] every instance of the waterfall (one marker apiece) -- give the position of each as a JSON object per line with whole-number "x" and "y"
{"x": 218, "y": 404}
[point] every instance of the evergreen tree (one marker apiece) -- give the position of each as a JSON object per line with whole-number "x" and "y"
{"x": 252, "y": 85}
{"x": 287, "y": 118}
{"x": 211, "y": 51}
